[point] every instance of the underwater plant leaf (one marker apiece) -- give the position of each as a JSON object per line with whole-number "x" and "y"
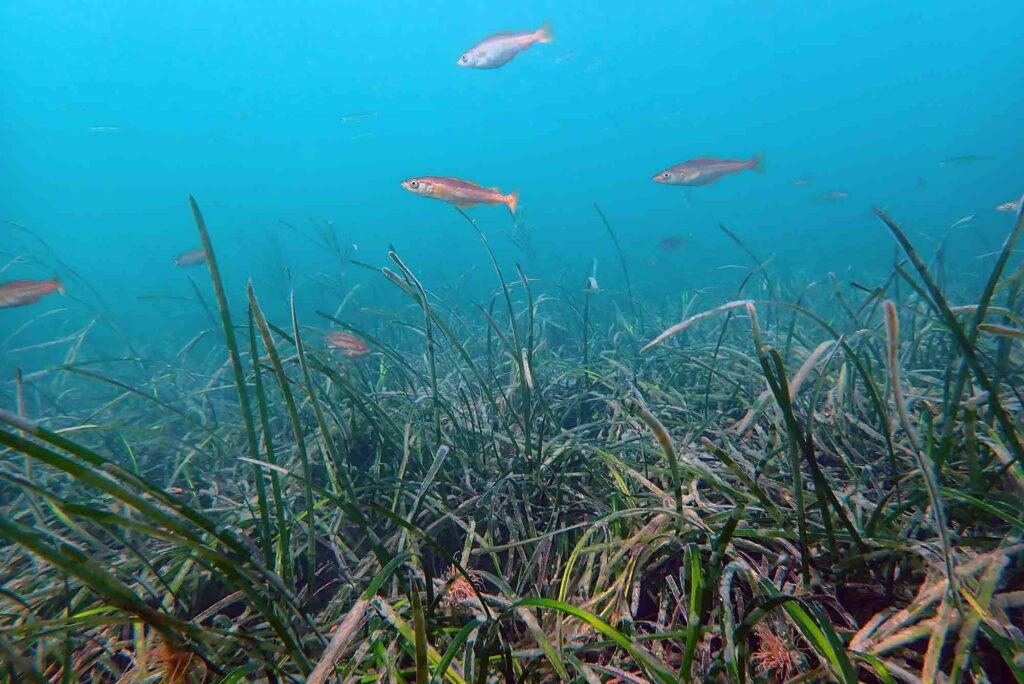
{"x": 659, "y": 670}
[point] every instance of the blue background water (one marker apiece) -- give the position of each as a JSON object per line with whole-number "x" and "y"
{"x": 240, "y": 105}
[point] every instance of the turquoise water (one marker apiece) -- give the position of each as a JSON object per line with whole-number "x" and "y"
{"x": 241, "y": 105}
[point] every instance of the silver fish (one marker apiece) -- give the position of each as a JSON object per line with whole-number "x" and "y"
{"x": 192, "y": 257}
{"x": 707, "y": 170}
{"x": 964, "y": 221}
{"x": 499, "y": 49}
{"x": 963, "y": 160}
{"x": 357, "y": 116}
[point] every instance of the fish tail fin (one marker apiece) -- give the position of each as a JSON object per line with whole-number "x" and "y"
{"x": 545, "y": 34}
{"x": 512, "y": 201}
{"x": 58, "y": 284}
{"x": 757, "y": 162}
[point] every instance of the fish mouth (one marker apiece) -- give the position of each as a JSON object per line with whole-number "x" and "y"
{"x": 660, "y": 178}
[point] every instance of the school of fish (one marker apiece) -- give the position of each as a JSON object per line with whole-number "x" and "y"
{"x": 492, "y": 52}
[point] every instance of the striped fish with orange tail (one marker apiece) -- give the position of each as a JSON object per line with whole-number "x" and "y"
{"x": 459, "y": 192}
{"x": 24, "y": 292}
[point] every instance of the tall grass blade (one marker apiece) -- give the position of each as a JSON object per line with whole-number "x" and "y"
{"x": 297, "y": 431}
{"x": 622, "y": 263}
{"x": 229, "y": 330}
{"x": 892, "y": 334}
{"x": 965, "y": 344}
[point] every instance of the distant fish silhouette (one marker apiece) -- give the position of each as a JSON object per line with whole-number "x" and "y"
{"x": 671, "y": 244}
{"x": 962, "y": 222}
{"x": 963, "y": 160}
{"x": 357, "y": 116}
{"x": 833, "y": 196}
{"x": 192, "y": 257}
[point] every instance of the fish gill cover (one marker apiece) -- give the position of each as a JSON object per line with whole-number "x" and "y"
{"x": 267, "y": 415}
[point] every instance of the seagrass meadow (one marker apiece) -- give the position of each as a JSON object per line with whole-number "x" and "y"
{"x": 778, "y": 483}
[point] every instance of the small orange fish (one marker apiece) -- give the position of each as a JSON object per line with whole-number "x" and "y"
{"x": 349, "y": 345}
{"x": 459, "y": 192}
{"x": 24, "y": 292}
{"x": 1009, "y": 206}
{"x": 192, "y": 257}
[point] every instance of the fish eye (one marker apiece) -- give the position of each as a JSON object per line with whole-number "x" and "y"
{"x": 666, "y": 174}
{"x": 414, "y": 184}
{"x": 465, "y": 58}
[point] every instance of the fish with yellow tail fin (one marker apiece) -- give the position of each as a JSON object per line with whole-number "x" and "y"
{"x": 459, "y": 192}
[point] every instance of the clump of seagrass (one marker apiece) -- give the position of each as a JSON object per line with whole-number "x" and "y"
{"x": 709, "y": 508}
